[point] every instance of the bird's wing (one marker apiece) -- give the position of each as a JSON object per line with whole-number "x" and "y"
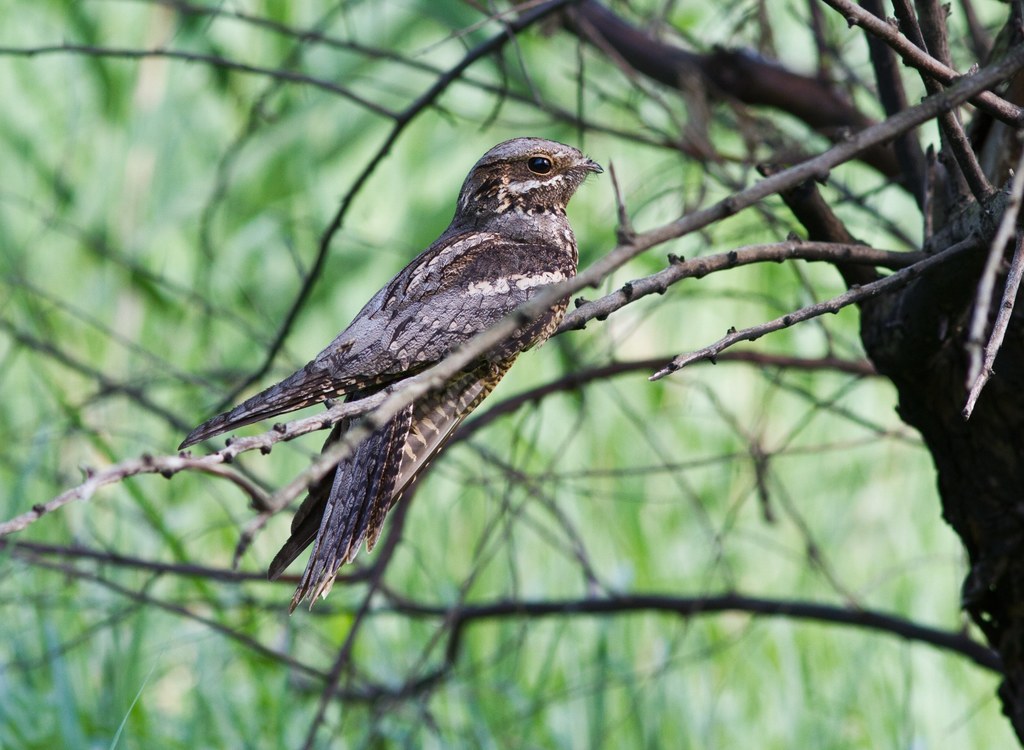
{"x": 452, "y": 292}
{"x": 312, "y": 384}
{"x": 461, "y": 285}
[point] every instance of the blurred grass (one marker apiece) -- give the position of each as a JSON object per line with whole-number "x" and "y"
{"x": 155, "y": 229}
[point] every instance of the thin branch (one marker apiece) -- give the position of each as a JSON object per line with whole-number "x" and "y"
{"x": 333, "y": 679}
{"x": 816, "y": 167}
{"x": 624, "y": 232}
{"x": 894, "y": 99}
{"x": 257, "y": 495}
{"x": 104, "y": 557}
{"x": 736, "y": 74}
{"x": 199, "y": 57}
{"x": 981, "y": 42}
{"x": 577, "y": 380}
{"x": 918, "y": 58}
{"x": 932, "y": 20}
{"x": 314, "y": 36}
{"x": 375, "y": 577}
{"x": 986, "y": 288}
{"x": 857, "y": 294}
{"x": 954, "y": 140}
{"x": 181, "y": 611}
{"x": 168, "y": 466}
{"x": 821, "y": 46}
{"x": 995, "y": 341}
{"x": 106, "y": 385}
{"x": 696, "y": 268}
{"x": 460, "y": 617}
{"x": 823, "y": 225}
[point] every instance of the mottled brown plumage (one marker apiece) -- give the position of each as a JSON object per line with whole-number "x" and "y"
{"x": 509, "y": 238}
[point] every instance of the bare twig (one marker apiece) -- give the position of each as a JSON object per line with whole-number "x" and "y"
{"x": 970, "y": 175}
{"x": 694, "y": 606}
{"x": 624, "y": 232}
{"x": 106, "y": 384}
{"x": 929, "y": 197}
{"x": 981, "y": 42}
{"x": 576, "y": 380}
{"x": 821, "y": 46}
{"x": 889, "y": 283}
{"x": 113, "y": 559}
{"x": 894, "y": 99}
{"x": 965, "y": 157}
{"x": 986, "y": 290}
{"x": 309, "y": 36}
{"x": 932, "y": 20}
{"x": 375, "y": 577}
{"x": 740, "y": 76}
{"x": 181, "y": 611}
{"x": 822, "y": 224}
{"x": 658, "y": 283}
{"x": 918, "y": 58}
{"x": 995, "y": 341}
{"x": 199, "y": 57}
{"x": 171, "y": 465}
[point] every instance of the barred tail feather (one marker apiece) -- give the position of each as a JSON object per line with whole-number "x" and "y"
{"x": 307, "y": 519}
{"x": 362, "y": 480}
{"x": 368, "y": 483}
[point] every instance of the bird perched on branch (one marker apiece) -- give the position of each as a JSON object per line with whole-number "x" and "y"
{"x": 508, "y": 239}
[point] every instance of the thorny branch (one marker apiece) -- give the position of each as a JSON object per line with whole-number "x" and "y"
{"x": 855, "y": 295}
{"x": 696, "y": 268}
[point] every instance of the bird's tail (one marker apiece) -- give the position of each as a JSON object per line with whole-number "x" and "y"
{"x": 368, "y": 482}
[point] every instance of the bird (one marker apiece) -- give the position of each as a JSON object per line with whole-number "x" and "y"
{"x": 509, "y": 238}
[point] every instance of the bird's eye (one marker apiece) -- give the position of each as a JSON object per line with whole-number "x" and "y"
{"x": 539, "y": 164}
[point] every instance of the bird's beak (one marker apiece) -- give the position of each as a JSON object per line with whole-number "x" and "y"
{"x": 592, "y": 166}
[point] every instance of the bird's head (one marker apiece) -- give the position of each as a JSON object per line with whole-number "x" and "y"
{"x": 530, "y": 176}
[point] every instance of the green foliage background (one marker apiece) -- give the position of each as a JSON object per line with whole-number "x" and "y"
{"x": 156, "y": 219}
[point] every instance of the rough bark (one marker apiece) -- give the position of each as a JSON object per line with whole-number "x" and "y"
{"x": 916, "y": 339}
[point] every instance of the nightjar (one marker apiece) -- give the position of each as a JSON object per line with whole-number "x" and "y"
{"x": 508, "y": 239}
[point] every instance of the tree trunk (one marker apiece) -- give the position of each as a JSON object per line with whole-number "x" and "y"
{"x": 917, "y": 339}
